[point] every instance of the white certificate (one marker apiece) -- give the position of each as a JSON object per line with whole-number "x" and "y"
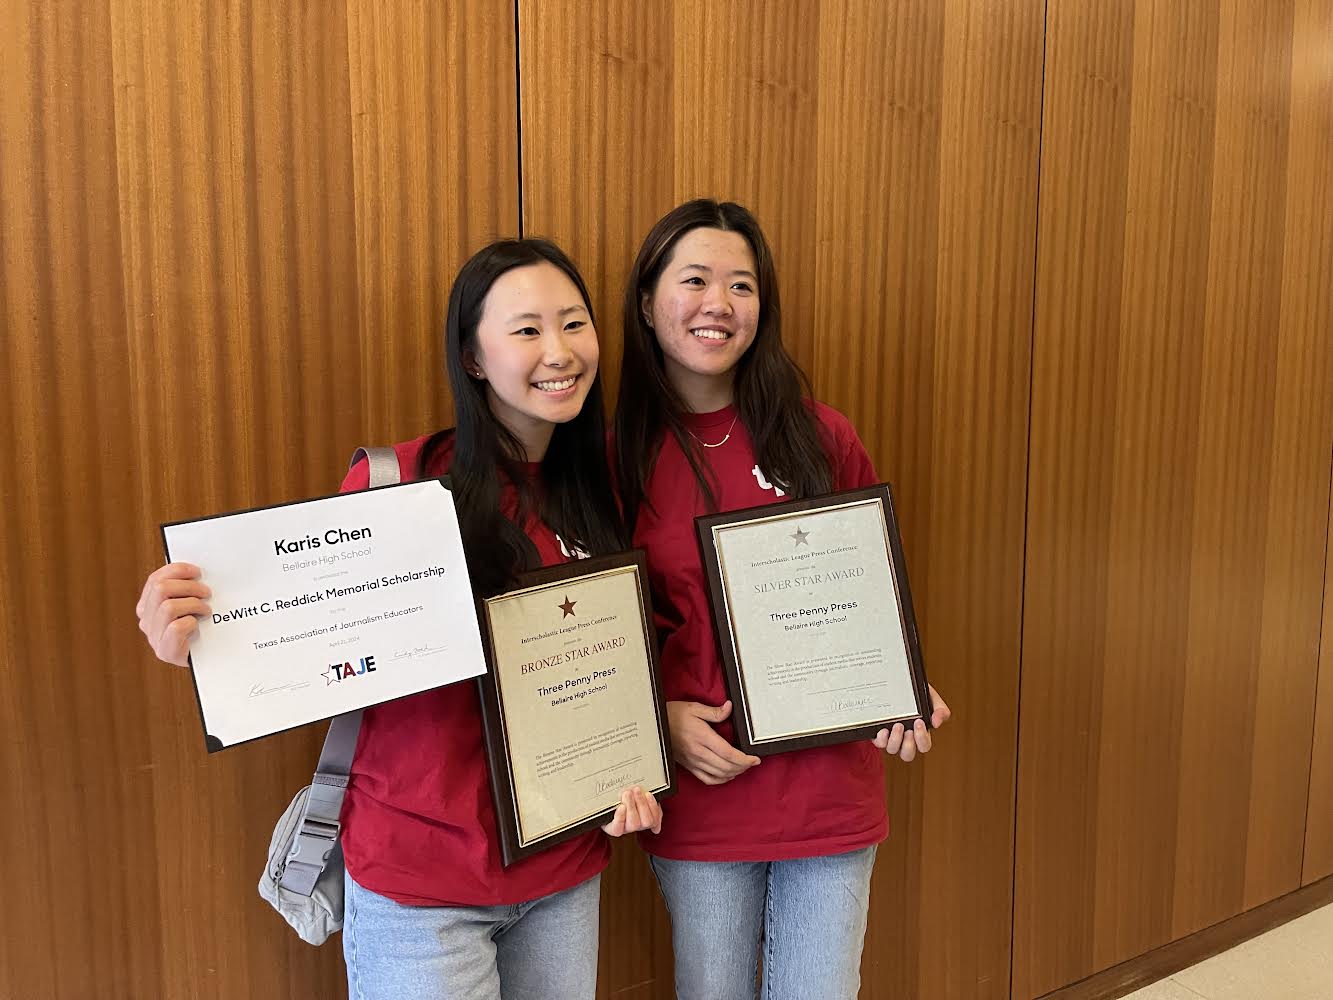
{"x": 327, "y": 606}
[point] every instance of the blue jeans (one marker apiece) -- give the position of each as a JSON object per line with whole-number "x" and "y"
{"x": 545, "y": 949}
{"x": 811, "y": 913}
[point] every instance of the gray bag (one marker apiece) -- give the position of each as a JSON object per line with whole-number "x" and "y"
{"x": 303, "y": 877}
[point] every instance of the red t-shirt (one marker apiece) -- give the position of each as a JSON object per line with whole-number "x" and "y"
{"x": 804, "y": 803}
{"x": 418, "y": 822}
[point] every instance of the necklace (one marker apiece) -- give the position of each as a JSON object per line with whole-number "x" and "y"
{"x": 725, "y": 438}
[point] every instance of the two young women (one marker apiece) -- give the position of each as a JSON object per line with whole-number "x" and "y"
{"x": 711, "y": 416}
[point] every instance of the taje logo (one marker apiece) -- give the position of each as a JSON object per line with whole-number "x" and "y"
{"x": 339, "y": 672}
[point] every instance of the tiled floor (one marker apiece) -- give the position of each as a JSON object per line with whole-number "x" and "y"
{"x": 1291, "y": 962}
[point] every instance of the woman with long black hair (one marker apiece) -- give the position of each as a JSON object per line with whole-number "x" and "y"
{"x": 714, "y": 415}
{"x": 430, "y": 911}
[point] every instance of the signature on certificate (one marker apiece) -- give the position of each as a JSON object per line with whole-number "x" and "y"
{"x": 617, "y": 782}
{"x": 419, "y": 651}
{"x": 850, "y": 704}
{"x": 259, "y": 690}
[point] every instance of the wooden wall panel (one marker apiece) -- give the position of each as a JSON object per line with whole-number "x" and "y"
{"x": 1082, "y": 227}
{"x": 75, "y": 727}
{"x": 1243, "y": 780}
{"x": 1267, "y": 275}
{"x": 1180, "y": 439}
{"x": 1318, "y": 859}
{"x": 893, "y": 165}
{"x": 228, "y": 233}
{"x": 1308, "y": 309}
{"x": 927, "y": 208}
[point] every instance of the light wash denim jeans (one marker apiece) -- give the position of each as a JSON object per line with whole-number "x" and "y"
{"x": 811, "y": 913}
{"x": 545, "y": 949}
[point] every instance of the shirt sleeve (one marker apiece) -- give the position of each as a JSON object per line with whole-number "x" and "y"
{"x": 357, "y": 478}
{"x": 852, "y": 467}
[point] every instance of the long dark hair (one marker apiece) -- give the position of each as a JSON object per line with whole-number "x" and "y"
{"x": 575, "y": 497}
{"x": 770, "y": 387}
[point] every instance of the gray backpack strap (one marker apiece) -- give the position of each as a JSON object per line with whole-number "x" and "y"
{"x": 384, "y": 469}
{"x": 318, "y": 828}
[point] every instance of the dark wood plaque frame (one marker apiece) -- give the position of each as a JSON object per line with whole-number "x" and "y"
{"x": 503, "y": 792}
{"x": 726, "y": 637}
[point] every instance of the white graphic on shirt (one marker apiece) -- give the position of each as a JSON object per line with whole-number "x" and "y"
{"x": 764, "y": 484}
{"x": 577, "y": 552}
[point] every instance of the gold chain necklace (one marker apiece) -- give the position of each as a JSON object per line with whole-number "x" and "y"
{"x": 725, "y": 439}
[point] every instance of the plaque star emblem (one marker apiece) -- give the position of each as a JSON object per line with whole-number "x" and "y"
{"x": 567, "y": 608}
{"x": 333, "y": 675}
{"x": 800, "y": 537}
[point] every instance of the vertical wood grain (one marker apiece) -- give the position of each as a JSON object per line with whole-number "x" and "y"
{"x": 973, "y": 551}
{"x": 1084, "y": 176}
{"x": 1180, "y": 438}
{"x": 1242, "y": 775}
{"x": 1318, "y": 853}
{"x": 78, "y": 786}
{"x": 877, "y": 330}
{"x": 228, "y": 232}
{"x": 632, "y": 109}
{"x": 927, "y": 211}
{"x": 1307, "y": 318}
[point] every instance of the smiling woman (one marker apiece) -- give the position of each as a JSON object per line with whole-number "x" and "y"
{"x": 431, "y": 910}
{"x": 705, "y": 310}
{"x": 708, "y": 387}
{"x": 536, "y": 350}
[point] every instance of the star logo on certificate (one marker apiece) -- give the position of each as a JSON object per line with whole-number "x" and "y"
{"x": 567, "y": 608}
{"x": 333, "y": 675}
{"x": 800, "y": 537}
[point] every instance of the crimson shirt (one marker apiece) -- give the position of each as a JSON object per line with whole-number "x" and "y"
{"x": 804, "y": 803}
{"x": 418, "y": 822}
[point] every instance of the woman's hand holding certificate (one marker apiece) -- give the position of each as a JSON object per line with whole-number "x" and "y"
{"x": 317, "y": 608}
{"x": 169, "y": 609}
{"x": 697, "y": 747}
{"x": 907, "y": 743}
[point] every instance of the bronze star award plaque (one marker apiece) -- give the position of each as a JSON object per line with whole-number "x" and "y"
{"x": 572, "y": 702}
